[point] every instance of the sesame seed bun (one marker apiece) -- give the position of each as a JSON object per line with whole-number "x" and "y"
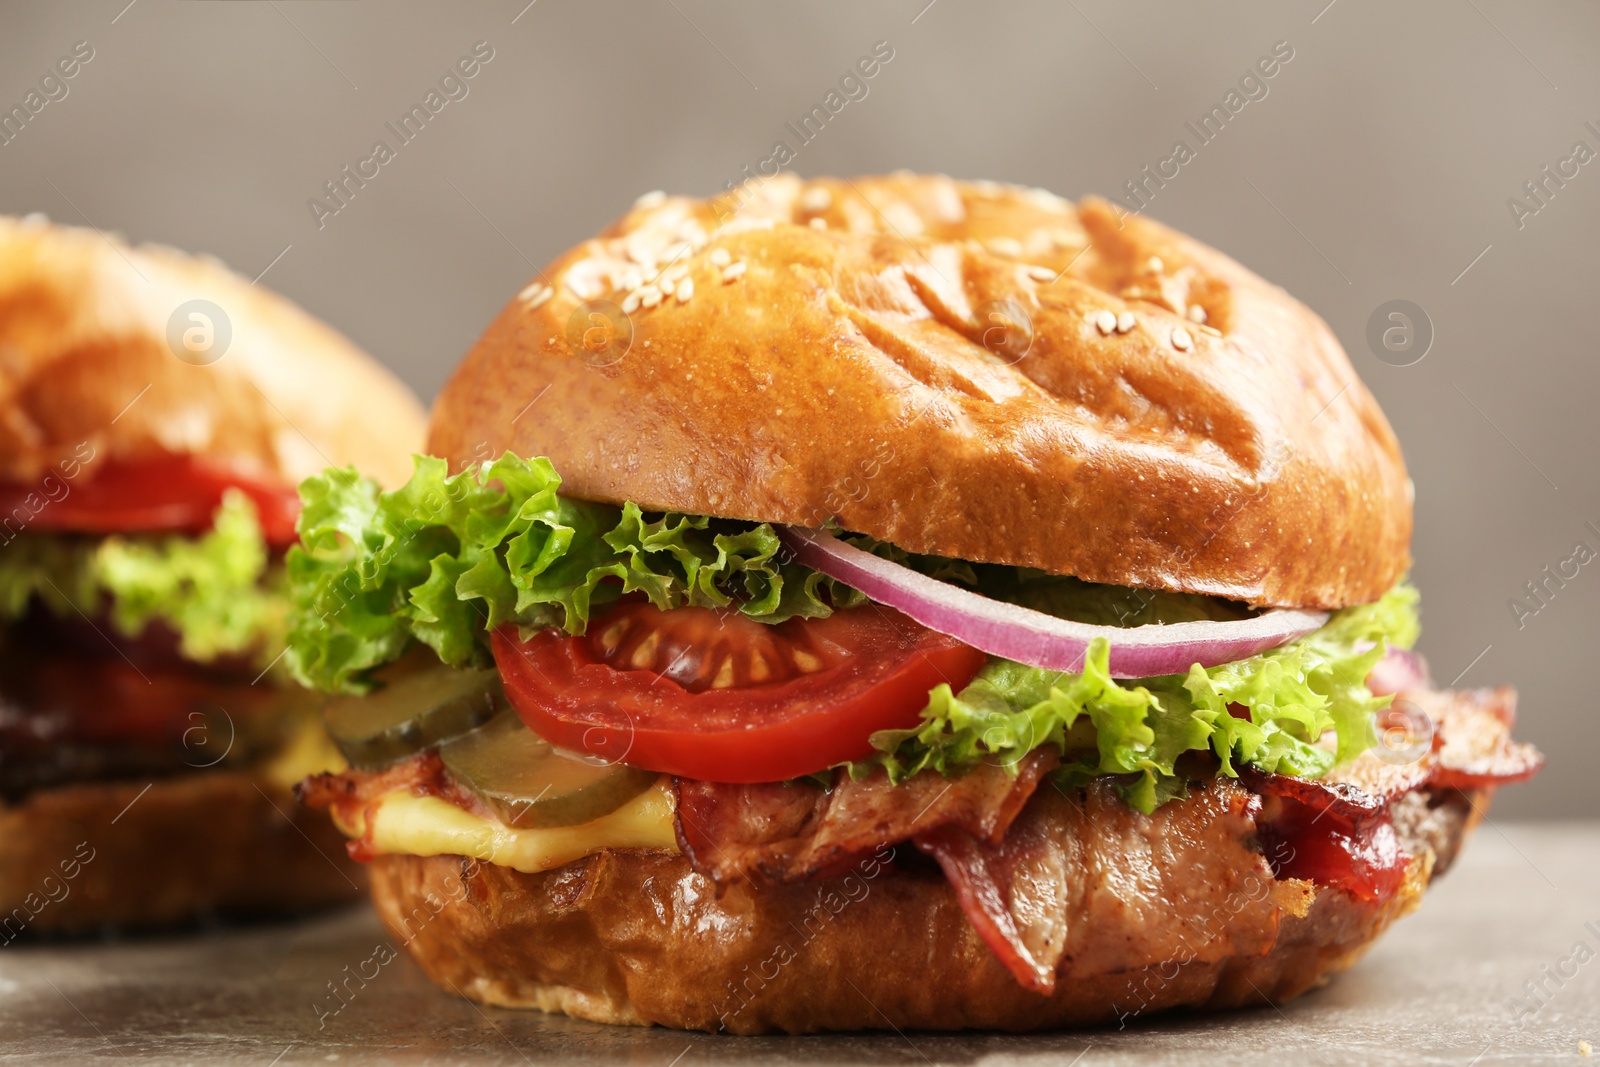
{"x": 92, "y": 349}
{"x": 964, "y": 369}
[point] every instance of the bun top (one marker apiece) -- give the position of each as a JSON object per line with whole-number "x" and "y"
{"x": 91, "y": 332}
{"x": 960, "y": 368}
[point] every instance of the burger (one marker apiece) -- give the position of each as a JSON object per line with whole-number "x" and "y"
{"x": 156, "y": 413}
{"x": 891, "y": 602}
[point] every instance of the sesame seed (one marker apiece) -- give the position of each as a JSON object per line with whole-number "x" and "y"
{"x": 1212, "y": 330}
{"x": 630, "y": 303}
{"x": 1154, "y": 265}
{"x": 720, "y": 257}
{"x": 666, "y": 285}
{"x": 744, "y": 224}
{"x": 535, "y": 293}
{"x": 1197, "y": 313}
{"x": 685, "y": 290}
{"x": 819, "y": 223}
{"x": 732, "y": 271}
{"x": 1005, "y": 246}
{"x": 1105, "y": 321}
{"x": 1041, "y": 274}
{"x": 649, "y": 296}
{"x": 1045, "y": 198}
{"x": 542, "y": 298}
{"x": 1126, "y": 322}
{"x": 654, "y": 198}
{"x": 1181, "y": 339}
{"x": 816, "y": 198}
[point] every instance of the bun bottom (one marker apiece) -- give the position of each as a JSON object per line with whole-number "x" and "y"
{"x": 630, "y": 936}
{"x": 80, "y": 857}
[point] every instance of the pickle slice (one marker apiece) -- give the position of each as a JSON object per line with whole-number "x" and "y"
{"x": 412, "y": 712}
{"x": 528, "y": 783}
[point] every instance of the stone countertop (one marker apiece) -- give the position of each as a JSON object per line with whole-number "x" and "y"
{"x": 1455, "y": 983}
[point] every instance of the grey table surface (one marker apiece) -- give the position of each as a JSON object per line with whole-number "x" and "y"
{"x": 1459, "y": 982}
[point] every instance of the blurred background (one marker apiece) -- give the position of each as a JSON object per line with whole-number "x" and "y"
{"x": 1431, "y": 161}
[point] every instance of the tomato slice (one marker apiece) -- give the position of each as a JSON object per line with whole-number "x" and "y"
{"x": 716, "y": 696}
{"x": 174, "y": 494}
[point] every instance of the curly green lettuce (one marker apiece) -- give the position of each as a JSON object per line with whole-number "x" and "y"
{"x": 446, "y": 558}
{"x": 1294, "y": 695}
{"x": 218, "y": 592}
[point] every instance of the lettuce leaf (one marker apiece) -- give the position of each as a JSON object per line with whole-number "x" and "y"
{"x": 217, "y": 591}
{"x": 446, "y": 558}
{"x": 1294, "y": 695}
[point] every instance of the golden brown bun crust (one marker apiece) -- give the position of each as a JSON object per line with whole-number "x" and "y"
{"x": 638, "y": 937}
{"x": 843, "y": 374}
{"x": 79, "y": 857}
{"x": 83, "y": 332}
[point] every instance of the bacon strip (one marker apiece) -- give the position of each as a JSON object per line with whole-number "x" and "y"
{"x": 981, "y": 879}
{"x": 788, "y": 832}
{"x": 1311, "y": 837}
{"x": 1473, "y": 747}
{"x": 1337, "y": 830}
{"x": 423, "y": 774}
{"x": 1348, "y": 805}
{"x": 1097, "y": 883}
{"x": 1470, "y": 747}
{"x": 1380, "y": 776}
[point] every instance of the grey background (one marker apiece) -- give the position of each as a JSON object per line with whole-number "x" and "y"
{"x": 1378, "y": 167}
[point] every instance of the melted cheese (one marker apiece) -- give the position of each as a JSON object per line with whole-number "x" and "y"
{"x": 400, "y": 823}
{"x": 308, "y": 751}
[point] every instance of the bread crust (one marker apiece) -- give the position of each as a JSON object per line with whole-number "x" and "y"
{"x": 637, "y": 937}
{"x": 80, "y": 857}
{"x": 85, "y": 360}
{"x": 855, "y": 371}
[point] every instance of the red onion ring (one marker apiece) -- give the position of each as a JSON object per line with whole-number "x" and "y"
{"x": 1034, "y": 638}
{"x": 1398, "y": 671}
